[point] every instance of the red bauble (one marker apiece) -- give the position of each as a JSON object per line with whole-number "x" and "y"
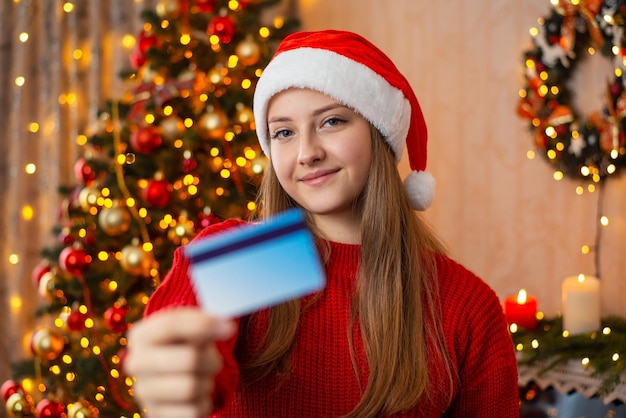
{"x": 205, "y": 6}
{"x": 8, "y": 388}
{"x": 146, "y": 41}
{"x": 157, "y": 193}
{"x": 136, "y": 58}
{"x": 115, "y": 318}
{"x": 50, "y": 409}
{"x": 189, "y": 164}
{"x": 39, "y": 271}
{"x": 205, "y": 220}
{"x": 74, "y": 260}
{"x": 76, "y": 320}
{"x": 66, "y": 237}
{"x": 145, "y": 140}
{"x": 83, "y": 171}
{"x": 138, "y": 54}
{"x": 223, "y": 27}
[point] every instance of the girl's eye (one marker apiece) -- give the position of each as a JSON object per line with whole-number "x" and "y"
{"x": 334, "y": 121}
{"x": 280, "y": 134}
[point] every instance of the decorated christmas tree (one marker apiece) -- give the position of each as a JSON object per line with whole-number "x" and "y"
{"x": 176, "y": 155}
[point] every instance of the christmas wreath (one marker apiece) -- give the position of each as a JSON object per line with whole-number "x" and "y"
{"x": 587, "y": 147}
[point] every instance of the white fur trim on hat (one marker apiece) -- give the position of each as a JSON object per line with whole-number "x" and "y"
{"x": 350, "y": 83}
{"x": 420, "y": 188}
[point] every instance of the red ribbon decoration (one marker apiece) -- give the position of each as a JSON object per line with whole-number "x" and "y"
{"x": 588, "y": 9}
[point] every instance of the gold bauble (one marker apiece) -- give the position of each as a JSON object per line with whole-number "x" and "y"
{"x": 87, "y": 198}
{"x": 245, "y": 116}
{"x": 18, "y": 406}
{"x": 248, "y": 51}
{"x": 82, "y": 410}
{"x": 171, "y": 127}
{"x": 47, "y": 344}
{"x": 136, "y": 261}
{"x": 47, "y": 286}
{"x": 217, "y": 74}
{"x": 168, "y": 9}
{"x": 213, "y": 124}
{"x": 115, "y": 220}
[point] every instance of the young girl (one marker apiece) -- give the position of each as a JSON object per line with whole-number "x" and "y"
{"x": 399, "y": 330}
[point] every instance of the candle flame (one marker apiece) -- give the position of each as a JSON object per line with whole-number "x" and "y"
{"x": 521, "y": 296}
{"x": 581, "y": 278}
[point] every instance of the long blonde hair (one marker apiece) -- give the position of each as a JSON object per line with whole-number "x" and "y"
{"x": 396, "y": 300}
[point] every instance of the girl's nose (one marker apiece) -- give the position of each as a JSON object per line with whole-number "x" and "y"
{"x": 310, "y": 149}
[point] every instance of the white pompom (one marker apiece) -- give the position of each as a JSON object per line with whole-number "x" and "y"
{"x": 420, "y": 188}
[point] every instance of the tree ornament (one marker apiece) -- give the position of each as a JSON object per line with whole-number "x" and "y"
{"x": 136, "y": 261}
{"x": 18, "y": 406}
{"x": 10, "y": 387}
{"x": 206, "y": 218}
{"x": 592, "y": 149}
{"x": 74, "y": 260}
{"x": 182, "y": 232}
{"x": 189, "y": 164}
{"x": 222, "y": 27}
{"x": 39, "y": 270}
{"x": 83, "y": 171}
{"x": 168, "y": 9}
{"x": 46, "y": 343}
{"x": 47, "y": 408}
{"x": 65, "y": 236}
{"x": 248, "y": 51}
{"x": 82, "y": 410}
{"x": 171, "y": 127}
{"x": 205, "y": 6}
{"x": 213, "y": 124}
{"x": 145, "y": 140}
{"x": 115, "y": 220}
{"x": 115, "y": 318}
{"x": 75, "y": 321}
{"x": 47, "y": 286}
{"x": 244, "y": 116}
{"x": 88, "y": 197}
{"x": 217, "y": 74}
{"x": 157, "y": 193}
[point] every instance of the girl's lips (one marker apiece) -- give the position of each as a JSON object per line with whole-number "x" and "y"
{"x": 317, "y": 177}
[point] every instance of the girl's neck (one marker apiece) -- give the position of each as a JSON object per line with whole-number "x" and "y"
{"x": 345, "y": 229}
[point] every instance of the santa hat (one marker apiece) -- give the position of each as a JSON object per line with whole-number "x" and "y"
{"x": 353, "y": 71}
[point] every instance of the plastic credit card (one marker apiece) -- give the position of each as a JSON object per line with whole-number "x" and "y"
{"x": 256, "y": 265}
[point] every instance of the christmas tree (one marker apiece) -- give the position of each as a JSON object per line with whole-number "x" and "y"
{"x": 176, "y": 155}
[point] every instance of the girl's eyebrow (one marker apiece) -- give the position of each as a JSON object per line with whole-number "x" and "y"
{"x": 316, "y": 112}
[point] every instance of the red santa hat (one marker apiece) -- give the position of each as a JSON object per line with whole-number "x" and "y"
{"x": 353, "y": 71}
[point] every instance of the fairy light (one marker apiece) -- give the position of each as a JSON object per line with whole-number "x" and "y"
{"x": 20, "y": 81}
{"x": 128, "y": 41}
{"x": 27, "y": 212}
{"x": 23, "y": 37}
{"x": 604, "y": 221}
{"x": 84, "y": 342}
{"x": 33, "y": 127}
{"x": 585, "y": 249}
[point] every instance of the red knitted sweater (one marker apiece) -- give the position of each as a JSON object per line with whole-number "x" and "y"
{"x": 322, "y": 382}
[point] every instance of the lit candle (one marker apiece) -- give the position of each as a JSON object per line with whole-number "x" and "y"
{"x": 581, "y": 304}
{"x": 521, "y": 309}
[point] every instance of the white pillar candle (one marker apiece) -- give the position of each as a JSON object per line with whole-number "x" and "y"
{"x": 581, "y": 304}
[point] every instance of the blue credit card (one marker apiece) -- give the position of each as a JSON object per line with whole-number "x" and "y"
{"x": 256, "y": 265}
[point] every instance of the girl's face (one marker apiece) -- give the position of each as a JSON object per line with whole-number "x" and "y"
{"x": 321, "y": 152}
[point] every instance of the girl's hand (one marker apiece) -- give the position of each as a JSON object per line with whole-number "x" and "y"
{"x": 173, "y": 357}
